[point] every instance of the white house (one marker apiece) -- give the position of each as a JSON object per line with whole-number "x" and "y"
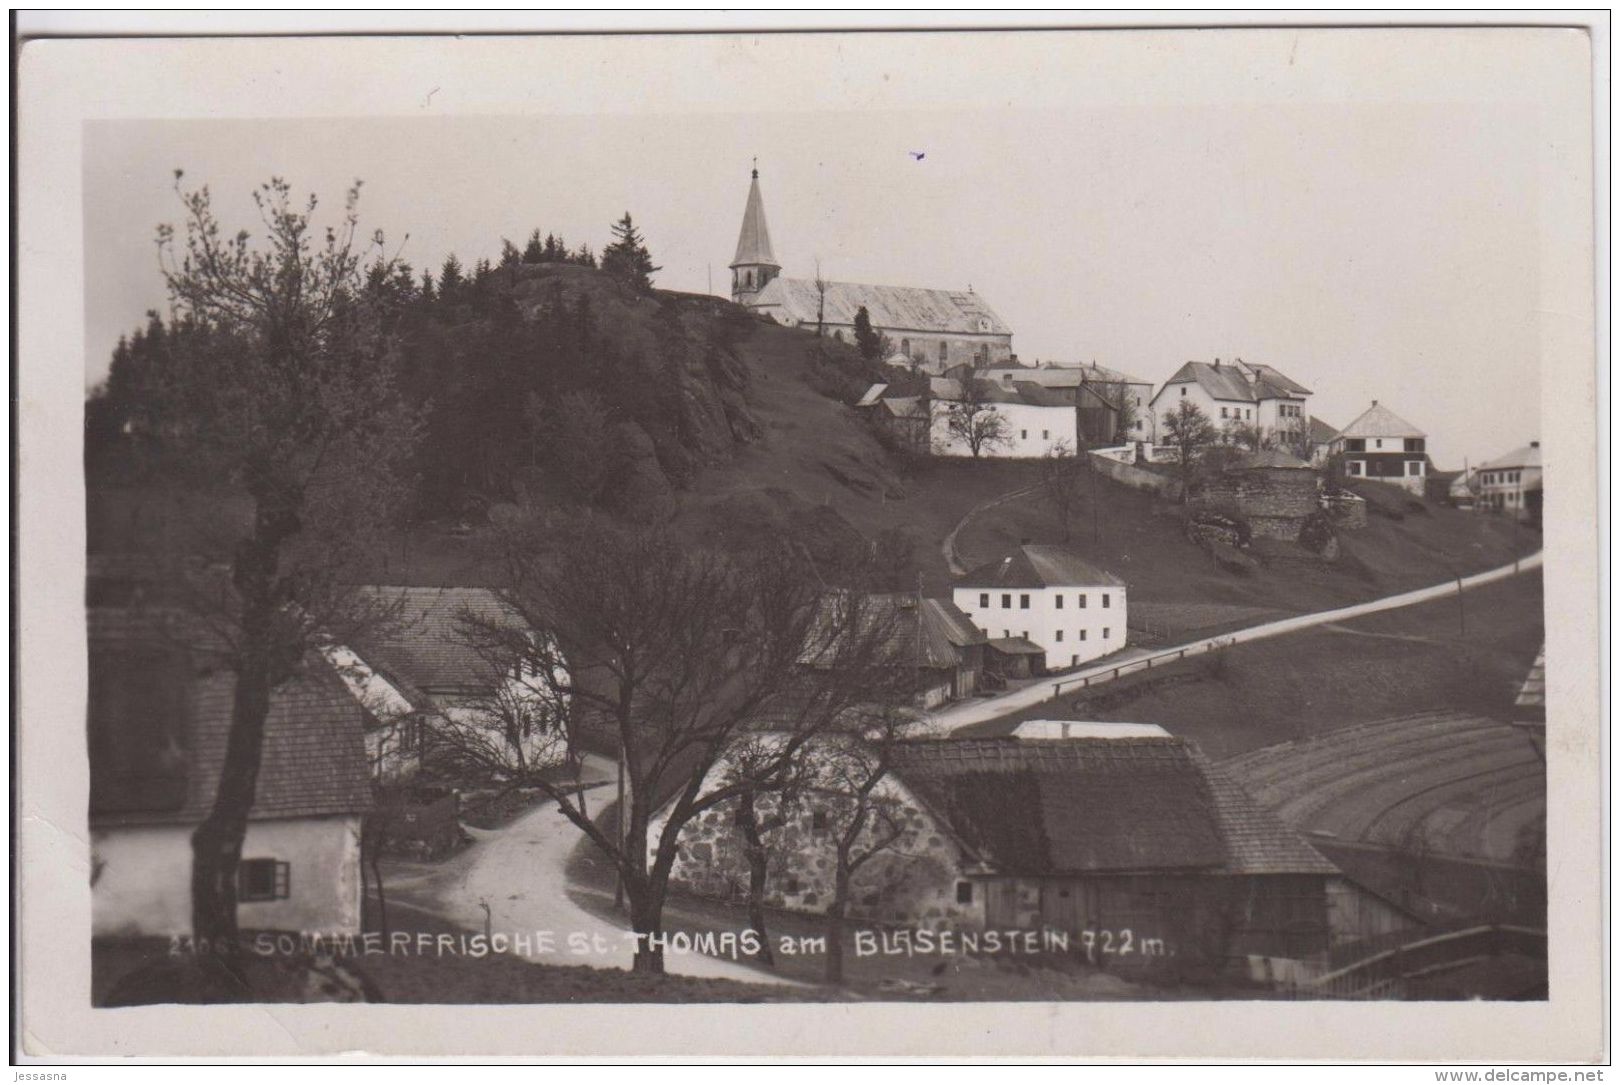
{"x": 1511, "y": 484}
{"x": 158, "y": 722}
{"x": 1034, "y": 421}
{"x": 1101, "y": 394}
{"x": 1051, "y": 597}
{"x": 1238, "y": 393}
{"x": 1382, "y": 446}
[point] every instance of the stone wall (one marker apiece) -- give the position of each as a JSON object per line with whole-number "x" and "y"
{"x": 912, "y": 883}
{"x": 1274, "y": 501}
{"x": 1345, "y": 510}
{"x": 1138, "y": 478}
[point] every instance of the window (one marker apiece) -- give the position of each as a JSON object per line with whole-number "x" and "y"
{"x": 905, "y": 347}
{"x": 1352, "y": 467}
{"x": 1074, "y": 661}
{"x": 942, "y": 350}
{"x": 1060, "y": 635}
{"x": 1107, "y": 600}
{"x": 1223, "y": 412}
{"x": 1378, "y": 442}
{"x": 1355, "y": 444}
{"x": 1183, "y": 389}
{"x": 964, "y": 892}
{"x": 1059, "y": 600}
{"x": 1006, "y": 601}
{"x": 1414, "y": 444}
{"x": 262, "y": 879}
{"x": 1105, "y": 632}
{"x": 1045, "y": 436}
{"x": 1247, "y": 413}
{"x": 1415, "y": 467}
{"x": 1082, "y": 601}
{"x": 1023, "y": 601}
{"x": 984, "y": 599}
{"x": 1005, "y": 633}
{"x": 1082, "y": 634}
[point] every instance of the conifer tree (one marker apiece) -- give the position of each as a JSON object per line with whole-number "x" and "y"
{"x": 867, "y": 337}
{"x": 534, "y": 252}
{"x": 627, "y": 259}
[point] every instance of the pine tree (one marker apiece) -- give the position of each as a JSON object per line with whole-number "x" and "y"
{"x": 627, "y": 259}
{"x": 866, "y": 337}
{"x": 427, "y": 291}
{"x": 450, "y": 280}
{"x": 534, "y": 252}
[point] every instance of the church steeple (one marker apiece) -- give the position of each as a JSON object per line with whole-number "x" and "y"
{"x": 755, "y": 264}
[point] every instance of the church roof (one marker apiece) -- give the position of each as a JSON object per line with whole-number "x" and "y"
{"x": 754, "y": 241}
{"x": 1378, "y": 421}
{"x": 891, "y": 308}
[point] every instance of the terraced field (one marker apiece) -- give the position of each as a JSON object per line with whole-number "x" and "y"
{"x": 1440, "y": 783}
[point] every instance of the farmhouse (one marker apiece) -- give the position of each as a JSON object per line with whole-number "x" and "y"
{"x": 1511, "y": 484}
{"x": 1050, "y": 597}
{"x": 1121, "y": 838}
{"x": 1382, "y": 446}
{"x": 1238, "y": 394}
{"x": 158, "y": 722}
{"x": 935, "y": 329}
{"x": 1031, "y": 421}
{"x": 1113, "y": 406}
{"x": 432, "y": 644}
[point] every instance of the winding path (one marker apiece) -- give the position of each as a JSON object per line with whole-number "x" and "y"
{"x": 958, "y": 716}
{"x": 948, "y": 547}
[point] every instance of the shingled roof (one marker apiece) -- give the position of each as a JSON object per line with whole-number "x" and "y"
{"x": 1037, "y": 807}
{"x": 925, "y": 632}
{"x": 1034, "y": 566}
{"x": 1379, "y": 421}
{"x": 754, "y": 239}
{"x": 314, "y": 760}
{"x": 426, "y": 645}
{"x": 891, "y": 308}
{"x": 1239, "y": 382}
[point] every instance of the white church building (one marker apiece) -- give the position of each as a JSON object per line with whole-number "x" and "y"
{"x": 935, "y": 329}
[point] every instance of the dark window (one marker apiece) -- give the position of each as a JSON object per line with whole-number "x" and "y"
{"x": 1082, "y": 634}
{"x": 1006, "y": 601}
{"x": 1023, "y": 602}
{"x": 1105, "y": 632}
{"x": 1223, "y": 412}
{"x": 1355, "y": 444}
{"x": 1082, "y": 602}
{"x": 964, "y": 892}
{"x": 1060, "y": 602}
{"x": 984, "y": 599}
{"x": 262, "y": 879}
{"x": 942, "y": 350}
{"x": 1107, "y": 600}
{"x": 1183, "y": 389}
{"x": 1060, "y": 634}
{"x": 905, "y": 347}
{"x": 1023, "y": 435}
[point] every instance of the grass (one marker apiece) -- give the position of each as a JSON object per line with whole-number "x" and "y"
{"x": 1294, "y": 686}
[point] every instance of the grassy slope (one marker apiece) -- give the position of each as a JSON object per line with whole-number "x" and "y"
{"x": 1294, "y": 686}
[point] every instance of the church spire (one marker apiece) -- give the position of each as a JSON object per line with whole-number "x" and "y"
{"x": 755, "y": 264}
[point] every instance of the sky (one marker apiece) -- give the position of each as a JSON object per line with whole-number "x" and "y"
{"x": 1369, "y": 251}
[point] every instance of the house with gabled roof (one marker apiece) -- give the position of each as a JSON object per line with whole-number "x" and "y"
{"x": 160, "y": 714}
{"x": 1046, "y": 598}
{"x": 1122, "y": 840}
{"x": 1238, "y": 394}
{"x": 1035, "y": 421}
{"x": 930, "y": 637}
{"x": 437, "y": 645}
{"x": 1512, "y": 484}
{"x": 1382, "y": 446}
{"x": 1112, "y": 405}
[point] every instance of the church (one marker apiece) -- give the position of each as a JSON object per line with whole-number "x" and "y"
{"x": 934, "y": 329}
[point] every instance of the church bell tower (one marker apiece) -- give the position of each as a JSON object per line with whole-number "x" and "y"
{"x": 755, "y": 264}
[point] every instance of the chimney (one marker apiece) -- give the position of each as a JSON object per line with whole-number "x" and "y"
{"x": 1217, "y": 363}
{"x": 1535, "y": 444}
{"x": 1375, "y": 403}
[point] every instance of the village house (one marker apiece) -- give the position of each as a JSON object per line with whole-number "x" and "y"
{"x": 930, "y": 637}
{"x": 1319, "y": 440}
{"x": 436, "y": 644}
{"x": 1124, "y": 841}
{"x": 1511, "y": 485}
{"x": 1035, "y": 421}
{"x": 934, "y": 329}
{"x": 159, "y": 719}
{"x": 1237, "y": 394}
{"x": 1048, "y": 597}
{"x": 1384, "y": 447}
{"x": 1112, "y": 406}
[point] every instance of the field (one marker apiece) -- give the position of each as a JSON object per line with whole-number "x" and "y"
{"x": 1435, "y": 657}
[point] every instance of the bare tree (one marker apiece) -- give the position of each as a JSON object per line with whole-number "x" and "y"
{"x": 277, "y": 384}
{"x": 1189, "y": 431}
{"x": 1060, "y": 483}
{"x": 821, "y": 298}
{"x": 1125, "y": 414}
{"x": 974, "y": 420}
{"x": 675, "y": 656}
